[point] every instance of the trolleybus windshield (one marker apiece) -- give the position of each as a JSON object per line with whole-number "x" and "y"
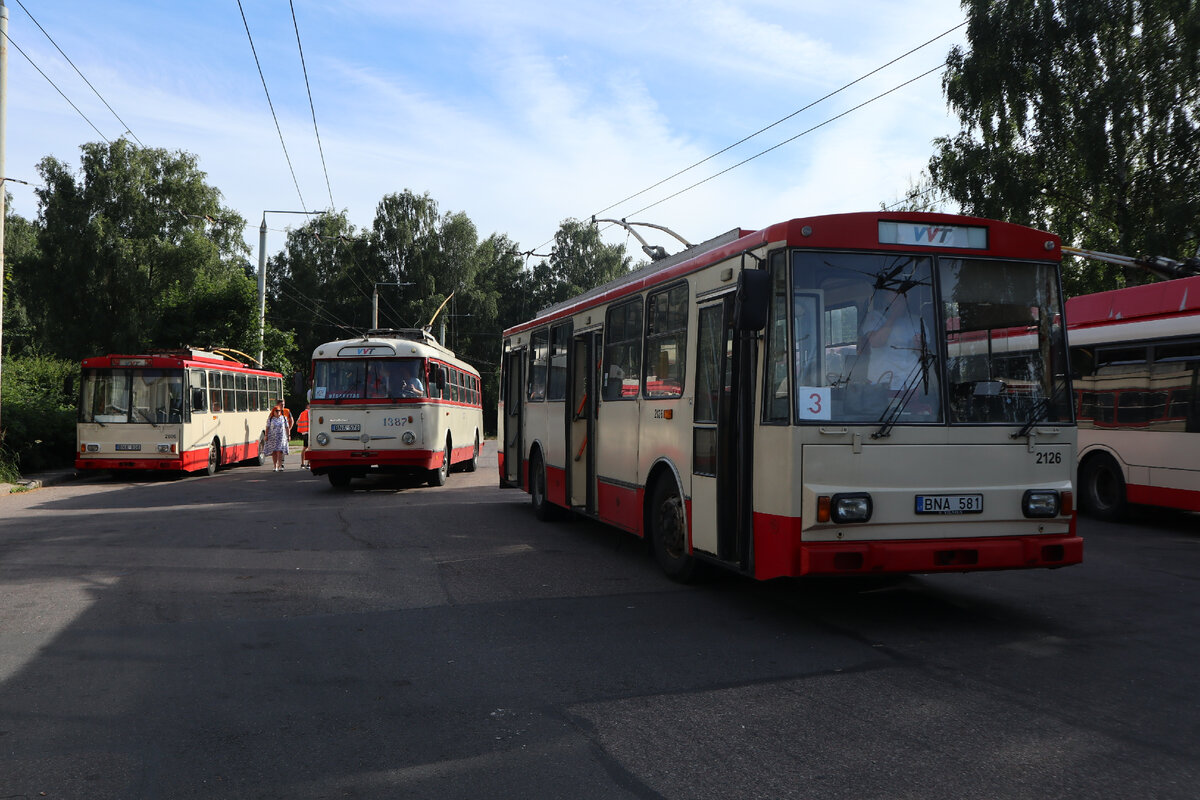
{"x": 867, "y": 347}
{"x": 143, "y": 395}
{"x": 368, "y": 378}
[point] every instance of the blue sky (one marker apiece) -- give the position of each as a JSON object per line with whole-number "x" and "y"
{"x": 520, "y": 114}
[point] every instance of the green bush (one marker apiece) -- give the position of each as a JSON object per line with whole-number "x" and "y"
{"x": 37, "y": 412}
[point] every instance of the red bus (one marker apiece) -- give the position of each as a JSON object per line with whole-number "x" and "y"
{"x": 1135, "y": 355}
{"x": 852, "y": 394}
{"x": 181, "y": 410}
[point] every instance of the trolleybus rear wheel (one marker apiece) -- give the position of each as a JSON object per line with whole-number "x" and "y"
{"x": 471, "y": 465}
{"x": 543, "y": 509}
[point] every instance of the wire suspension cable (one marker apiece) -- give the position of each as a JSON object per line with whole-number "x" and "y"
{"x": 124, "y": 124}
{"x": 278, "y": 129}
{"x": 311, "y": 107}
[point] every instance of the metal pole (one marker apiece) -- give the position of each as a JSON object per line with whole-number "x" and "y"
{"x": 3, "y": 125}
{"x": 375, "y": 309}
{"x": 262, "y": 286}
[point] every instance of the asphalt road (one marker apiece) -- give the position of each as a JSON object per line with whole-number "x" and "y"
{"x": 262, "y": 635}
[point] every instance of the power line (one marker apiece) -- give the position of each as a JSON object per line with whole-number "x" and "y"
{"x": 792, "y": 139}
{"x": 60, "y": 91}
{"x": 270, "y": 104}
{"x": 304, "y": 67}
{"x": 85, "y": 80}
{"x": 745, "y": 139}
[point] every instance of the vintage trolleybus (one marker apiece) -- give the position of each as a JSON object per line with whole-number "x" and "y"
{"x": 186, "y": 410}
{"x": 1135, "y": 353}
{"x": 847, "y": 394}
{"x": 392, "y": 400}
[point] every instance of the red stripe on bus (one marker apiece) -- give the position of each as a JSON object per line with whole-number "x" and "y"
{"x": 423, "y": 459}
{"x": 1183, "y": 499}
{"x": 620, "y": 505}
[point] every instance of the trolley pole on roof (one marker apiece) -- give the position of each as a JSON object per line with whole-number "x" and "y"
{"x": 262, "y": 275}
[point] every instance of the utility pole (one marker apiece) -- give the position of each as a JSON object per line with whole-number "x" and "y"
{"x": 375, "y": 299}
{"x": 262, "y": 275}
{"x": 3, "y": 210}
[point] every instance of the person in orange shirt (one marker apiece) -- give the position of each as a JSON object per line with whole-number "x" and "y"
{"x": 302, "y": 429}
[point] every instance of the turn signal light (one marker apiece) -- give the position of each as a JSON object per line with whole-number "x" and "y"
{"x": 823, "y": 509}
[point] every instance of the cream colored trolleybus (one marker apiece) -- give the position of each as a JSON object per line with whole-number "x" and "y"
{"x": 847, "y": 394}
{"x": 185, "y": 410}
{"x": 392, "y": 400}
{"x": 1135, "y": 354}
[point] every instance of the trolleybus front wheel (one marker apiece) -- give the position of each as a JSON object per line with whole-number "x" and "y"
{"x": 1102, "y": 487}
{"x": 437, "y": 477}
{"x": 214, "y": 458}
{"x": 473, "y": 464}
{"x": 668, "y": 527}
{"x": 339, "y": 478}
{"x": 543, "y": 509}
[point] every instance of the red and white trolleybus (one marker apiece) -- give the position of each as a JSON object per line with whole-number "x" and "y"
{"x": 852, "y": 394}
{"x": 1135, "y": 354}
{"x": 185, "y": 410}
{"x": 392, "y": 400}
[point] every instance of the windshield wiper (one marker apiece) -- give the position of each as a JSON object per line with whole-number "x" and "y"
{"x": 145, "y": 416}
{"x": 1039, "y": 411}
{"x": 919, "y": 372}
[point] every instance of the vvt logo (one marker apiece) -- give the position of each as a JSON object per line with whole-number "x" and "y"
{"x": 365, "y": 351}
{"x": 931, "y": 234}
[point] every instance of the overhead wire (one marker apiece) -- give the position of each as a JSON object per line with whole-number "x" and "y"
{"x": 772, "y": 125}
{"x": 124, "y": 124}
{"x": 278, "y": 129}
{"x": 55, "y": 85}
{"x": 311, "y": 107}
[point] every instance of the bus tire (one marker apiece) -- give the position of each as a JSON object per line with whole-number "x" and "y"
{"x": 261, "y": 458}
{"x": 668, "y": 531}
{"x": 543, "y": 509}
{"x": 214, "y": 458}
{"x": 473, "y": 464}
{"x": 339, "y": 478}
{"x": 1102, "y": 487}
{"x": 437, "y": 477}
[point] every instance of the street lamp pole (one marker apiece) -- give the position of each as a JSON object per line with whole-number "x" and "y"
{"x": 375, "y": 301}
{"x": 262, "y": 277}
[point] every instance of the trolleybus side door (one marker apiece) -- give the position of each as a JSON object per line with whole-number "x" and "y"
{"x": 581, "y": 424}
{"x": 513, "y": 391}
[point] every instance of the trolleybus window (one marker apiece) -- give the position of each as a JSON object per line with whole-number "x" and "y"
{"x": 132, "y": 395}
{"x": 538, "y": 365}
{"x": 370, "y": 378}
{"x": 623, "y": 351}
{"x": 666, "y": 340}
{"x": 775, "y": 393}
{"x": 560, "y": 339}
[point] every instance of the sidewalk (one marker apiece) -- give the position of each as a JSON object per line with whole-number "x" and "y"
{"x": 37, "y": 480}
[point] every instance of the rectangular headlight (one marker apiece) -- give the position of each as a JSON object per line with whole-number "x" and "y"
{"x": 1040, "y": 503}
{"x": 851, "y": 507}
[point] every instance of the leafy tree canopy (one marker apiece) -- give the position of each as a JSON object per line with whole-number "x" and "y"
{"x": 134, "y": 252}
{"x": 1083, "y": 119}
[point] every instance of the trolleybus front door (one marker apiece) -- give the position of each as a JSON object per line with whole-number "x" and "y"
{"x": 722, "y": 456}
{"x": 581, "y": 425}
{"x": 513, "y": 391}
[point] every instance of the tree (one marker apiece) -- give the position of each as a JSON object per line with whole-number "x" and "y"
{"x": 579, "y": 261}
{"x": 1083, "y": 119}
{"x": 137, "y": 253}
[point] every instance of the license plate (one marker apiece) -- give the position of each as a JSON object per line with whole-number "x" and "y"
{"x": 949, "y": 504}
{"x": 122, "y": 447}
{"x": 345, "y": 427}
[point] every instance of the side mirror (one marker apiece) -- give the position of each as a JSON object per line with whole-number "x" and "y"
{"x": 752, "y": 300}
{"x": 440, "y": 379}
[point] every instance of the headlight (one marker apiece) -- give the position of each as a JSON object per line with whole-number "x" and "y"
{"x": 1040, "y": 503}
{"x": 164, "y": 448}
{"x": 850, "y": 507}
{"x": 322, "y": 439}
{"x": 408, "y": 437}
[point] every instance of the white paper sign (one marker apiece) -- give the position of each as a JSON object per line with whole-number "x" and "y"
{"x": 813, "y": 402}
